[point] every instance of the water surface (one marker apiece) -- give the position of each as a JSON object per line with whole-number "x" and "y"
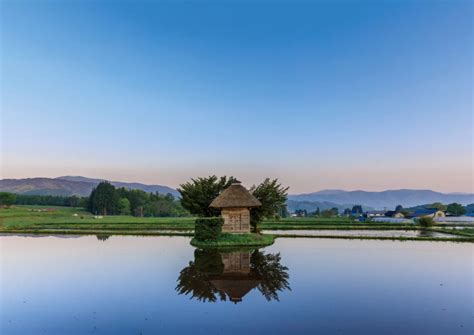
{"x": 363, "y": 232}
{"x": 161, "y": 285}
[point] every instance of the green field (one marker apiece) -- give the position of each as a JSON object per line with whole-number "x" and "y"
{"x": 66, "y": 220}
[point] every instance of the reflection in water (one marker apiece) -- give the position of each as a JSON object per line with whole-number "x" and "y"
{"x": 426, "y": 233}
{"x": 217, "y": 275}
{"x": 102, "y": 237}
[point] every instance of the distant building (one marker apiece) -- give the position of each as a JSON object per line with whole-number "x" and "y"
{"x": 394, "y": 214}
{"x": 373, "y": 214}
{"x": 235, "y": 203}
{"x": 427, "y": 212}
{"x": 301, "y": 213}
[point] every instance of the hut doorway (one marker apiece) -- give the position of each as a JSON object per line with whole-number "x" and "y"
{"x": 236, "y": 221}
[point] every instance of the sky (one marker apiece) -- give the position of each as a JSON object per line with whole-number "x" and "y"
{"x": 322, "y": 95}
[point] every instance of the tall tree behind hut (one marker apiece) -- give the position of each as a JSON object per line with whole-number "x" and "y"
{"x": 197, "y": 195}
{"x": 273, "y": 197}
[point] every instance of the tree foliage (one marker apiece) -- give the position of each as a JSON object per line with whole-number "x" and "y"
{"x": 123, "y": 206}
{"x": 51, "y": 200}
{"x": 266, "y": 269}
{"x": 104, "y": 199}
{"x": 456, "y": 209}
{"x": 439, "y": 206}
{"x": 107, "y": 200}
{"x": 7, "y": 199}
{"x": 197, "y": 195}
{"x": 357, "y": 209}
{"x": 273, "y": 197}
{"x": 208, "y": 229}
{"x": 425, "y": 221}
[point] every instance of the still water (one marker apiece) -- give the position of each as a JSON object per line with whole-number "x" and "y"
{"x": 359, "y": 233}
{"x": 162, "y": 285}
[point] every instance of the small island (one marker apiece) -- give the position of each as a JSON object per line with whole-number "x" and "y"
{"x": 232, "y": 228}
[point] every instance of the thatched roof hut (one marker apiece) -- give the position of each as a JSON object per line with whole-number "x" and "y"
{"x": 235, "y": 203}
{"x": 235, "y": 196}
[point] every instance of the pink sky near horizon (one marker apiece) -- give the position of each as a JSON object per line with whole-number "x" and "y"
{"x": 301, "y": 178}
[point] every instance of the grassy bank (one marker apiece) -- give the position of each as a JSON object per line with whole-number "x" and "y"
{"x": 236, "y": 240}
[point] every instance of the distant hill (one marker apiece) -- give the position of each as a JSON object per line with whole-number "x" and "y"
{"x": 134, "y": 186}
{"x": 71, "y": 185}
{"x": 385, "y": 199}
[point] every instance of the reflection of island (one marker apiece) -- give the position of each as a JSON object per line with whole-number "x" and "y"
{"x": 231, "y": 275}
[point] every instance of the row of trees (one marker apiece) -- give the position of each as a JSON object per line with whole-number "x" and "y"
{"x": 325, "y": 213}
{"x": 7, "y": 199}
{"x": 106, "y": 199}
{"x": 51, "y": 200}
{"x": 197, "y": 195}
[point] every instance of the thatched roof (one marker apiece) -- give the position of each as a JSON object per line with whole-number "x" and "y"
{"x": 235, "y": 287}
{"x": 235, "y": 196}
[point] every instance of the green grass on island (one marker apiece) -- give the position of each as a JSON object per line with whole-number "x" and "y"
{"x": 236, "y": 240}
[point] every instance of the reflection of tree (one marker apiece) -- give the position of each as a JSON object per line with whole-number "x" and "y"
{"x": 274, "y": 276}
{"x": 102, "y": 237}
{"x": 225, "y": 276}
{"x": 194, "y": 279}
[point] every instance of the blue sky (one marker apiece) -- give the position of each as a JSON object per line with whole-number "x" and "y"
{"x": 352, "y": 95}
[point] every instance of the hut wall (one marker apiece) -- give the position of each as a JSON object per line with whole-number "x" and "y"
{"x": 238, "y": 261}
{"x": 236, "y": 220}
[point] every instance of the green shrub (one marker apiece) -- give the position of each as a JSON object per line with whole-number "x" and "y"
{"x": 425, "y": 221}
{"x": 206, "y": 229}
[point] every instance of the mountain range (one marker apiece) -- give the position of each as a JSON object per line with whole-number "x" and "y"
{"x": 386, "y": 199}
{"x": 82, "y": 186}
{"x": 71, "y": 185}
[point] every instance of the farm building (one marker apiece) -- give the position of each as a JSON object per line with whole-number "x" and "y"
{"x": 428, "y": 212}
{"x": 394, "y": 214}
{"x": 373, "y": 214}
{"x": 235, "y": 203}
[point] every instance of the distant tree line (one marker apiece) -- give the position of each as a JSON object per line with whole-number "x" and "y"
{"x": 51, "y": 200}
{"x": 7, "y": 199}
{"x": 106, "y": 199}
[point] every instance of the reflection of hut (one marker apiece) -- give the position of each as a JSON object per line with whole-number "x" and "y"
{"x": 235, "y": 204}
{"x": 216, "y": 275}
{"x": 237, "y": 279}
